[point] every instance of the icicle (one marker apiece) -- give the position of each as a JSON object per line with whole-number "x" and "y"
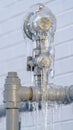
{"x": 51, "y": 119}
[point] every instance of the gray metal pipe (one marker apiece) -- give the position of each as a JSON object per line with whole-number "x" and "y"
{"x": 59, "y": 95}
{"x": 25, "y": 93}
{"x": 12, "y": 119}
{"x": 14, "y": 93}
{"x": 12, "y": 101}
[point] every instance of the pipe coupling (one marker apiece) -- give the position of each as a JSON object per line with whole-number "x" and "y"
{"x": 12, "y": 85}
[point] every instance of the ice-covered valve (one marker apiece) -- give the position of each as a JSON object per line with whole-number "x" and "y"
{"x": 39, "y": 26}
{"x": 39, "y": 23}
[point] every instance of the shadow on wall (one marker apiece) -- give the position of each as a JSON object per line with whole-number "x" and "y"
{"x": 29, "y": 106}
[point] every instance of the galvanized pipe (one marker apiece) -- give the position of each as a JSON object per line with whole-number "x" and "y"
{"x": 54, "y": 94}
{"x": 58, "y": 94}
{"x": 14, "y": 93}
{"x": 12, "y": 101}
{"x": 12, "y": 119}
{"x": 25, "y": 93}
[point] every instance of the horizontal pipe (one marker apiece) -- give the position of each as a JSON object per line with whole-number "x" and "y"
{"x": 25, "y": 93}
{"x": 54, "y": 93}
{"x": 59, "y": 95}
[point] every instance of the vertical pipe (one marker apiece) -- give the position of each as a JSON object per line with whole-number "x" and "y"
{"x": 12, "y": 119}
{"x": 12, "y": 101}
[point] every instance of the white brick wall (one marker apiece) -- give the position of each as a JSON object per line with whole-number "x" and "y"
{"x": 13, "y": 53}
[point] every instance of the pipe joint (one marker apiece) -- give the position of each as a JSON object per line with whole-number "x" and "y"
{"x": 12, "y": 85}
